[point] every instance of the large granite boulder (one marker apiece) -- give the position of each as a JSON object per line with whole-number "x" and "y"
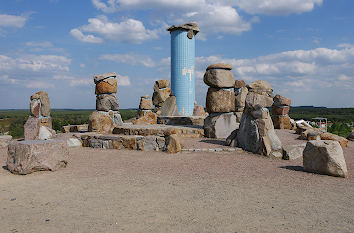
{"x": 32, "y": 126}
{"x": 281, "y": 101}
{"x": 160, "y": 96}
{"x": 220, "y": 78}
{"x": 25, "y": 157}
{"x": 5, "y": 140}
{"x": 106, "y": 86}
{"x": 261, "y": 87}
{"x": 254, "y": 99}
{"x": 102, "y": 122}
{"x": 100, "y": 77}
{"x": 324, "y": 157}
{"x": 330, "y": 136}
{"x": 169, "y": 107}
{"x": 220, "y": 100}
{"x": 220, "y": 125}
{"x": 161, "y": 84}
{"x": 291, "y": 152}
{"x": 282, "y": 122}
{"x": 149, "y": 118}
{"x": 106, "y": 102}
{"x": 173, "y": 144}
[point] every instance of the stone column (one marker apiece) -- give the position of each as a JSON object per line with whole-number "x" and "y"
{"x": 280, "y": 111}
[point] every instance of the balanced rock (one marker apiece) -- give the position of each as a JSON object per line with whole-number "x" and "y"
{"x": 255, "y": 99}
{"x": 220, "y": 100}
{"x": 42, "y": 96}
{"x": 106, "y": 102}
{"x": 260, "y": 86}
{"x": 282, "y": 122}
{"x": 99, "y": 77}
{"x": 160, "y": 96}
{"x": 145, "y": 103}
{"x": 281, "y": 101}
{"x": 280, "y": 110}
{"x": 160, "y": 84}
{"x": 220, "y": 66}
{"x": 221, "y": 78}
{"x": 5, "y": 140}
{"x": 25, "y": 157}
{"x": 324, "y": 157}
{"x": 220, "y": 125}
{"x": 106, "y": 86}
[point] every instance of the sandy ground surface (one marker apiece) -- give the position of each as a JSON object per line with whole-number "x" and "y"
{"x": 134, "y": 191}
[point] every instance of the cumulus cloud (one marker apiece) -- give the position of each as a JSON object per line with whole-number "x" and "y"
{"x": 129, "y": 58}
{"x": 129, "y": 31}
{"x": 12, "y": 21}
{"x": 123, "y": 80}
{"x": 76, "y": 33}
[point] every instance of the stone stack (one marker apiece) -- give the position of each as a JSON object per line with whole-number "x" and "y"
{"x": 256, "y": 132}
{"x": 241, "y": 92}
{"x": 106, "y": 116}
{"x": 145, "y": 106}
{"x": 280, "y": 111}
{"x": 162, "y": 90}
{"x": 220, "y": 101}
{"x": 39, "y": 123}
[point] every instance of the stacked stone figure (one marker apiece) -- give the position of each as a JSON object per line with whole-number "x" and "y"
{"x": 145, "y": 106}
{"x": 280, "y": 111}
{"x": 107, "y": 116}
{"x": 162, "y": 91}
{"x": 241, "y": 92}
{"x": 256, "y": 132}
{"x": 220, "y": 101}
{"x": 39, "y": 123}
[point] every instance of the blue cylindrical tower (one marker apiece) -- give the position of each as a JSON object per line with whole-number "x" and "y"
{"x": 182, "y": 66}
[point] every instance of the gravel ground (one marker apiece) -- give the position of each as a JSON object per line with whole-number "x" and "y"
{"x": 134, "y": 191}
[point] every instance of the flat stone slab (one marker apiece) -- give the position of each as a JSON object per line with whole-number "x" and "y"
{"x": 192, "y": 131}
{"x": 25, "y": 157}
{"x": 181, "y": 120}
{"x": 119, "y": 142}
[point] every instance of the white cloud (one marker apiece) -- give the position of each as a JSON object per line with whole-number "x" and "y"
{"x": 42, "y": 44}
{"x": 6, "y": 79}
{"x": 39, "y": 85}
{"x": 129, "y": 58}
{"x": 81, "y": 82}
{"x": 85, "y": 38}
{"x": 12, "y": 21}
{"x": 129, "y": 31}
{"x": 123, "y": 80}
{"x": 276, "y": 7}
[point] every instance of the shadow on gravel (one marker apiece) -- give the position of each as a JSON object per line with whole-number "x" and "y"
{"x": 215, "y": 141}
{"x": 293, "y": 168}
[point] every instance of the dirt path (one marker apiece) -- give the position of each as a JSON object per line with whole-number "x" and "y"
{"x": 134, "y": 191}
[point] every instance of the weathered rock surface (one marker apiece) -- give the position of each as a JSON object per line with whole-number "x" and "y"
{"x": 5, "y": 140}
{"x": 145, "y": 104}
{"x": 45, "y": 103}
{"x": 99, "y": 77}
{"x": 106, "y": 102}
{"x": 143, "y": 112}
{"x": 173, "y": 144}
{"x": 240, "y": 84}
{"x": 291, "y": 152}
{"x": 106, "y": 86}
{"x": 160, "y": 84}
{"x": 35, "y": 106}
{"x": 240, "y": 99}
{"x": 74, "y": 142}
{"x": 198, "y": 110}
{"x": 220, "y": 66}
{"x": 169, "y": 107}
{"x": 46, "y": 133}
{"x": 255, "y": 99}
{"x": 220, "y": 125}
{"x": 282, "y": 122}
{"x": 101, "y": 123}
{"x": 160, "y": 96}
{"x": 220, "y": 78}
{"x": 260, "y": 85}
{"x": 25, "y": 157}
{"x": 220, "y": 100}
{"x": 329, "y": 136}
{"x": 325, "y": 157}
{"x": 284, "y": 110}
{"x": 32, "y": 125}
{"x": 281, "y": 101}
{"x": 149, "y": 118}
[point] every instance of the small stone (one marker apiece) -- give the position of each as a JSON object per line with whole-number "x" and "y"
{"x": 220, "y": 66}
{"x": 145, "y": 104}
{"x": 198, "y": 110}
{"x": 220, "y": 100}
{"x": 173, "y": 144}
{"x": 99, "y": 77}
{"x": 150, "y": 118}
{"x": 325, "y": 157}
{"x": 240, "y": 84}
{"x": 25, "y": 157}
{"x": 219, "y": 78}
{"x": 106, "y": 86}
{"x": 281, "y": 101}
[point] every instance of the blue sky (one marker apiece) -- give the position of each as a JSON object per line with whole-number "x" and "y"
{"x": 304, "y": 48}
